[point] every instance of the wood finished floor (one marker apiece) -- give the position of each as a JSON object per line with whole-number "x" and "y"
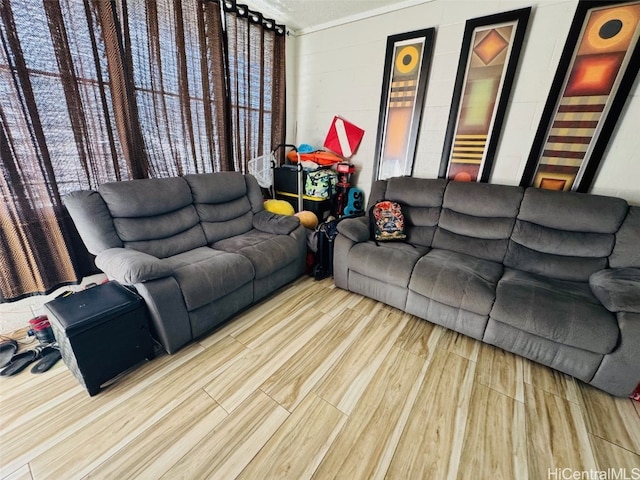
{"x": 316, "y": 382}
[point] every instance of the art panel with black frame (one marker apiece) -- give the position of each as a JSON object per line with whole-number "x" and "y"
{"x": 406, "y": 68}
{"x": 596, "y": 72}
{"x": 488, "y": 60}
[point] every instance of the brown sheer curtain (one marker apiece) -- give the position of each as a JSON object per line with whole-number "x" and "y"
{"x": 256, "y": 62}
{"x": 175, "y": 58}
{"x": 57, "y": 115}
{"x": 93, "y": 91}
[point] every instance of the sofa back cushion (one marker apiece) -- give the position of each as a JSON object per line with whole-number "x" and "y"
{"x": 225, "y": 203}
{"x": 154, "y": 215}
{"x": 626, "y": 252}
{"x": 477, "y": 219}
{"x": 92, "y": 219}
{"x": 421, "y": 201}
{"x": 564, "y": 235}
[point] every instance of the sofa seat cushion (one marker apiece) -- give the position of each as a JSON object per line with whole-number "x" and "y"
{"x": 457, "y": 280}
{"x": 562, "y": 311}
{"x": 390, "y": 262}
{"x": 573, "y": 361}
{"x": 267, "y": 252}
{"x": 205, "y": 274}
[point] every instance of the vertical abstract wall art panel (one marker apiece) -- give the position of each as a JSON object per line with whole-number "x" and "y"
{"x": 597, "y": 69}
{"x": 488, "y": 60}
{"x": 406, "y": 68}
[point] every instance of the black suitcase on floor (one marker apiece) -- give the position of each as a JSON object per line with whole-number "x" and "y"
{"x": 325, "y": 235}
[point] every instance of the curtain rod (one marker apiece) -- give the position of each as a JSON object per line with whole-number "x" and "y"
{"x": 254, "y": 17}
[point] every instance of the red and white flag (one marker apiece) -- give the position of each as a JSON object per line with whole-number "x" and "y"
{"x": 343, "y": 137}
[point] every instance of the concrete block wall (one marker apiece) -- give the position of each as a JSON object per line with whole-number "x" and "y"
{"x": 339, "y": 70}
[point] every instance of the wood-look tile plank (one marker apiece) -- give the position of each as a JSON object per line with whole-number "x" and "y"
{"x": 366, "y": 306}
{"x": 119, "y": 425}
{"x": 610, "y": 456}
{"x": 502, "y": 371}
{"x": 431, "y": 444}
{"x": 611, "y": 418}
{"x": 272, "y": 349}
{"x": 495, "y": 424}
{"x": 10, "y": 387}
{"x": 34, "y": 437}
{"x": 558, "y": 436}
{"x": 298, "y": 446}
{"x": 16, "y": 408}
{"x": 296, "y": 310}
{"x": 227, "y": 450}
{"x": 344, "y": 384}
{"x": 459, "y": 344}
{"x": 420, "y": 337}
{"x": 159, "y": 447}
{"x": 42, "y": 423}
{"x": 550, "y": 380}
{"x": 337, "y": 301}
{"x": 636, "y": 405}
{"x": 366, "y": 444}
{"x": 294, "y": 380}
{"x": 23, "y": 473}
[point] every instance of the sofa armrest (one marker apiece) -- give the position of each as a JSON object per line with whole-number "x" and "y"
{"x": 617, "y": 288}
{"x": 130, "y": 266}
{"x": 274, "y": 223}
{"x": 355, "y": 229}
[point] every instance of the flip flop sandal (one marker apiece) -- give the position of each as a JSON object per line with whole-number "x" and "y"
{"x": 7, "y": 349}
{"x": 20, "y": 361}
{"x": 50, "y": 356}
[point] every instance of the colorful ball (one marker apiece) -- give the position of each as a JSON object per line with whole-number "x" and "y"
{"x": 281, "y": 207}
{"x": 307, "y": 219}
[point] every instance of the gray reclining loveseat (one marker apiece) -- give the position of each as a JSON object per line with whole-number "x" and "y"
{"x": 551, "y": 276}
{"x": 197, "y": 248}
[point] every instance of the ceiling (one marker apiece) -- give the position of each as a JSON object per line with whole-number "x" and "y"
{"x": 302, "y": 16}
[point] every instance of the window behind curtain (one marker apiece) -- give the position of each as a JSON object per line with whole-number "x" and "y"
{"x": 57, "y": 119}
{"x": 256, "y": 83}
{"x": 94, "y": 91}
{"x": 174, "y": 51}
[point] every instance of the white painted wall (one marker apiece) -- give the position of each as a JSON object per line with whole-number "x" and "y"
{"x": 338, "y": 71}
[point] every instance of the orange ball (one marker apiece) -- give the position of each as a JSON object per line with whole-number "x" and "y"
{"x": 307, "y": 219}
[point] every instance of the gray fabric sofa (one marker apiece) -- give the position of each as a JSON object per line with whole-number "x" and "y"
{"x": 551, "y": 276}
{"x": 197, "y": 248}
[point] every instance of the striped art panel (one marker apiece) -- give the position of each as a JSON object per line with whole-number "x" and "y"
{"x": 485, "y": 71}
{"x": 572, "y": 130}
{"x": 466, "y": 156}
{"x": 590, "y": 84}
{"x": 486, "y": 68}
{"x": 469, "y": 148}
{"x": 402, "y": 102}
{"x": 403, "y": 94}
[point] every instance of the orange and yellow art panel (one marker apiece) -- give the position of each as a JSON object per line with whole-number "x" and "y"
{"x": 488, "y": 60}
{"x": 599, "y": 63}
{"x": 404, "y": 84}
